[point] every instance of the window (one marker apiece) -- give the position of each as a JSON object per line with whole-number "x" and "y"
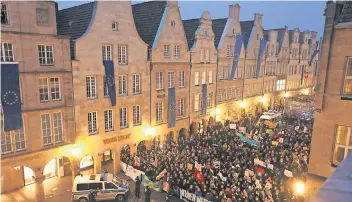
{"x": 6, "y": 51}
{"x": 210, "y": 77}
{"x": 226, "y": 72}
{"x": 57, "y": 127}
{"x": 106, "y": 89}
{"x": 207, "y": 55}
{"x": 196, "y": 102}
{"x": 46, "y": 129}
{"x": 109, "y": 185}
{"x": 159, "y": 112}
{"x": 347, "y": 89}
{"x": 166, "y": 51}
{"x": 4, "y": 14}
{"x": 42, "y": 16}
{"x": 115, "y": 26}
{"x": 43, "y": 90}
{"x": 20, "y": 140}
{"x": 136, "y": 115}
{"x": 229, "y": 93}
{"x": 107, "y": 156}
{"x": 122, "y": 85}
{"x": 202, "y": 55}
{"x": 221, "y": 73}
{"x": 196, "y": 78}
{"x": 108, "y": 120}
{"x": 343, "y": 143}
{"x": 91, "y": 87}
{"x": 280, "y": 85}
{"x": 107, "y": 52}
{"x": 181, "y": 82}
{"x": 177, "y": 51}
{"x": 181, "y": 108}
{"x": 136, "y": 84}
{"x": 6, "y": 145}
{"x": 92, "y": 123}
{"x": 173, "y": 23}
{"x": 122, "y": 53}
{"x": 229, "y": 51}
{"x": 204, "y": 77}
{"x": 46, "y": 54}
{"x": 209, "y": 100}
{"x": 123, "y": 117}
{"x": 220, "y": 95}
{"x": 55, "y": 88}
{"x": 159, "y": 81}
{"x": 171, "y": 76}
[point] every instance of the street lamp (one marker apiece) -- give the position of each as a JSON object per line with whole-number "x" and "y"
{"x": 149, "y": 131}
{"x": 299, "y": 188}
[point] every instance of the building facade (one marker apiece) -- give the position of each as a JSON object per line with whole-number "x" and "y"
{"x": 106, "y": 76}
{"x": 39, "y": 149}
{"x": 332, "y": 132}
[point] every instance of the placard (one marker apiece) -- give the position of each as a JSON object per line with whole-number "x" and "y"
{"x": 232, "y": 126}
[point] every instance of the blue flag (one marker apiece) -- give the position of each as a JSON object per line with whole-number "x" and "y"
{"x": 313, "y": 55}
{"x": 110, "y": 80}
{"x": 236, "y": 58}
{"x": 10, "y": 97}
{"x": 260, "y": 55}
{"x": 204, "y": 98}
{"x": 171, "y": 115}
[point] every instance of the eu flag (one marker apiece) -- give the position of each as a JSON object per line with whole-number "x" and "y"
{"x": 302, "y": 74}
{"x": 313, "y": 56}
{"x": 110, "y": 80}
{"x": 204, "y": 98}
{"x": 10, "y": 96}
{"x": 236, "y": 58}
{"x": 171, "y": 115}
{"x": 260, "y": 55}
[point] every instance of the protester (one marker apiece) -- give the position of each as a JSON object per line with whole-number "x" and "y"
{"x": 91, "y": 195}
{"x": 218, "y": 164}
{"x": 148, "y": 192}
{"x": 138, "y": 187}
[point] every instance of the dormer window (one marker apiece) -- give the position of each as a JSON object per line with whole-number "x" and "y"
{"x": 205, "y": 33}
{"x": 173, "y": 23}
{"x": 115, "y": 26}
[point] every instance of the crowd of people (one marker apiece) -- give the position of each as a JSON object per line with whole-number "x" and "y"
{"x": 227, "y": 163}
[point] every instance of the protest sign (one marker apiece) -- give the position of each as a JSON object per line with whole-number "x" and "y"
{"x": 270, "y": 166}
{"x": 259, "y": 162}
{"x": 189, "y": 166}
{"x": 288, "y": 173}
{"x": 274, "y": 143}
{"x": 281, "y": 140}
{"x": 232, "y": 126}
{"x": 249, "y": 141}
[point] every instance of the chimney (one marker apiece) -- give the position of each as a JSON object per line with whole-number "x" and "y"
{"x": 234, "y": 12}
{"x": 258, "y": 19}
{"x": 172, "y": 2}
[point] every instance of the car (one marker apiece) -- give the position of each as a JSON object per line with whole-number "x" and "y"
{"x": 107, "y": 190}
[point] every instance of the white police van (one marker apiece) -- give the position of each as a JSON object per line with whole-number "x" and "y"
{"x": 109, "y": 189}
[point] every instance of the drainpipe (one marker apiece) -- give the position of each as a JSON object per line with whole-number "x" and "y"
{"x": 189, "y": 92}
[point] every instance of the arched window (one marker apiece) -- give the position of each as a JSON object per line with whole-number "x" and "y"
{"x": 173, "y": 23}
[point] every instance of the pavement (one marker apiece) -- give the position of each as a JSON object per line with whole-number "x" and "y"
{"x": 59, "y": 190}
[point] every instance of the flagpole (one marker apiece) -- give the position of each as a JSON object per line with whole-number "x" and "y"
{"x": 244, "y": 76}
{"x": 263, "y": 74}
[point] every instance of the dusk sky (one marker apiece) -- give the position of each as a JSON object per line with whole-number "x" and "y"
{"x": 305, "y": 15}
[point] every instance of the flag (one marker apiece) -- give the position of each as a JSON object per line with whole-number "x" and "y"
{"x": 313, "y": 56}
{"x": 260, "y": 55}
{"x": 198, "y": 175}
{"x": 197, "y": 166}
{"x": 137, "y": 160}
{"x": 110, "y": 80}
{"x": 302, "y": 74}
{"x": 259, "y": 170}
{"x": 10, "y": 96}
{"x": 171, "y": 115}
{"x": 204, "y": 99}
{"x": 189, "y": 166}
{"x": 236, "y": 58}
{"x": 161, "y": 174}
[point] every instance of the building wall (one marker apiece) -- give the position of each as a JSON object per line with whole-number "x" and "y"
{"x": 25, "y": 35}
{"x": 172, "y": 36}
{"x": 90, "y": 63}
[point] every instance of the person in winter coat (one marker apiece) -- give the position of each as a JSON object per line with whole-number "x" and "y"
{"x": 91, "y": 196}
{"x": 138, "y": 187}
{"x": 148, "y": 192}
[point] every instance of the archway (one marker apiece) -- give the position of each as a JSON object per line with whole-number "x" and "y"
{"x": 107, "y": 161}
{"x": 170, "y": 137}
{"x": 16, "y": 178}
{"x": 125, "y": 154}
{"x": 29, "y": 176}
{"x": 86, "y": 165}
{"x": 182, "y": 134}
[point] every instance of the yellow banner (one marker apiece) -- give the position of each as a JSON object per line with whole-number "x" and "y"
{"x": 270, "y": 124}
{"x": 275, "y": 143}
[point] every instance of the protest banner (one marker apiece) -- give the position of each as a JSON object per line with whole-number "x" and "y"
{"x": 270, "y": 166}
{"x": 249, "y": 141}
{"x": 259, "y": 162}
{"x": 153, "y": 185}
{"x": 166, "y": 187}
{"x": 232, "y": 126}
{"x": 189, "y": 197}
{"x": 133, "y": 173}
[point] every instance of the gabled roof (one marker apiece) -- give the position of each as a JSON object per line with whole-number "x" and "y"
{"x": 74, "y": 21}
{"x": 147, "y": 17}
{"x": 190, "y": 27}
{"x": 218, "y": 26}
{"x": 246, "y": 28}
{"x": 346, "y": 13}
